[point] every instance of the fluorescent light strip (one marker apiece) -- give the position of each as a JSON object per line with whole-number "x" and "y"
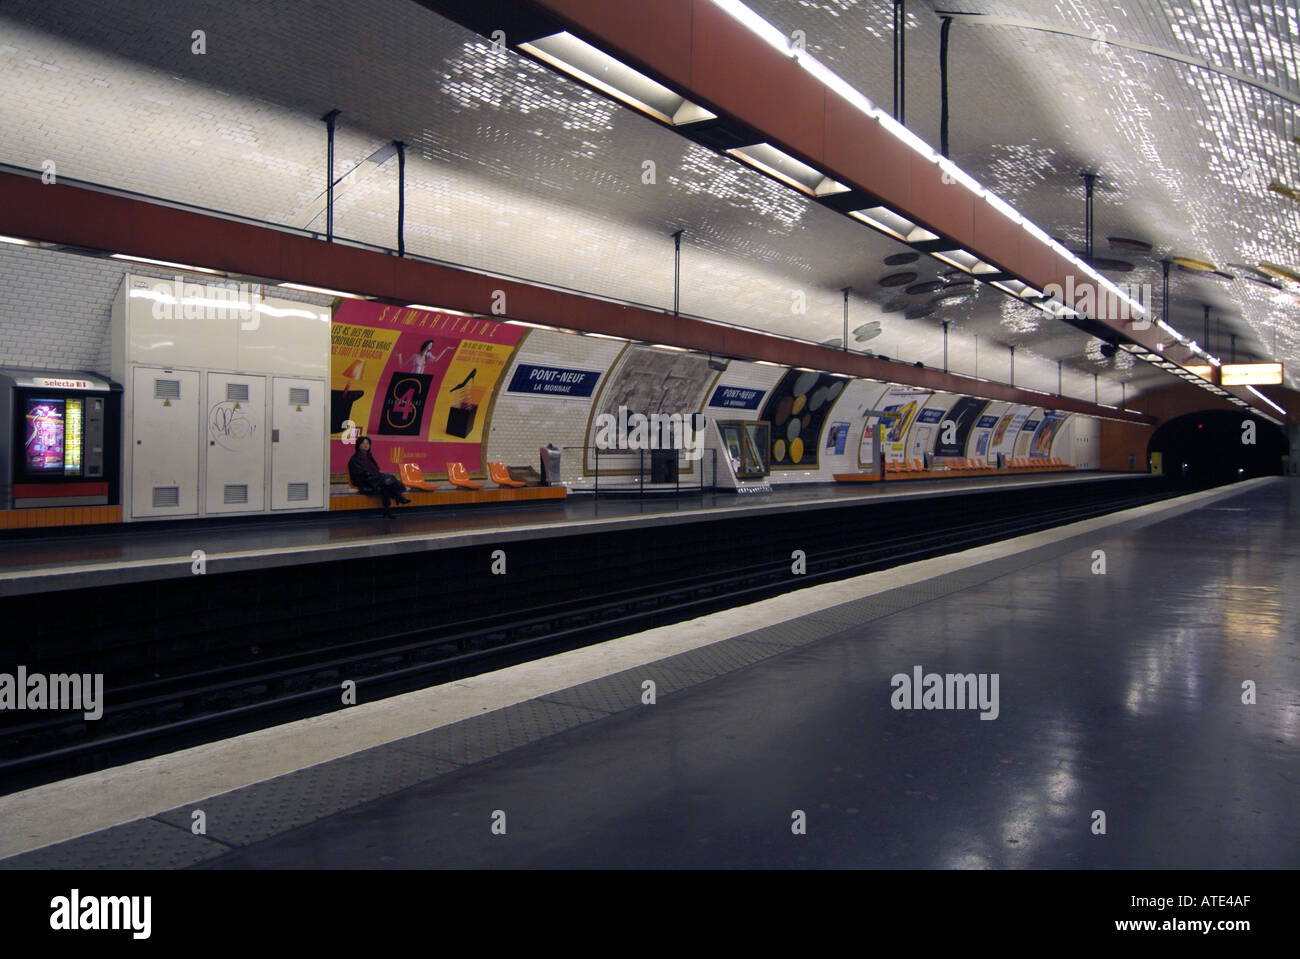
{"x": 1266, "y": 400}
{"x": 665, "y": 346}
{"x": 605, "y": 336}
{"x": 534, "y": 326}
{"x": 17, "y": 241}
{"x": 168, "y": 263}
{"x": 321, "y": 290}
{"x": 441, "y": 309}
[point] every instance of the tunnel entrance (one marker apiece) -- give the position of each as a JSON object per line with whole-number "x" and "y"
{"x": 1207, "y": 448}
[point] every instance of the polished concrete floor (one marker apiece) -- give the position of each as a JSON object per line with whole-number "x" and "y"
{"x": 1120, "y": 695}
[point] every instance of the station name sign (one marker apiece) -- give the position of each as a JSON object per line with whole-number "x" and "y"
{"x": 552, "y": 380}
{"x": 1250, "y": 374}
{"x": 736, "y": 398}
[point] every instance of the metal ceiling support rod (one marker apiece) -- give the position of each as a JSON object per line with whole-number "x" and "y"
{"x": 1164, "y": 292}
{"x": 1089, "y": 181}
{"x": 401, "y": 197}
{"x": 900, "y": 50}
{"x": 1206, "y": 339}
{"x": 943, "y": 85}
{"x": 945, "y": 346}
{"x": 844, "y": 344}
{"x": 329, "y": 119}
{"x": 1094, "y": 389}
{"x": 1232, "y": 347}
{"x": 1013, "y": 367}
{"x": 677, "y": 272}
{"x": 1058, "y": 377}
{"x": 1123, "y": 400}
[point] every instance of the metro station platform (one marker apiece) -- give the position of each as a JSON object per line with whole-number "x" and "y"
{"x": 146, "y": 552}
{"x": 1119, "y": 694}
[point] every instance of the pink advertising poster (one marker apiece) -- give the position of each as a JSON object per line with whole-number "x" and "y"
{"x": 419, "y": 383}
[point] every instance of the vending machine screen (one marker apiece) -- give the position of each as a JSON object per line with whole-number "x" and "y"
{"x": 45, "y": 427}
{"x": 72, "y": 437}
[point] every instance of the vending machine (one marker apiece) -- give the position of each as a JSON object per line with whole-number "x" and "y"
{"x": 60, "y": 437}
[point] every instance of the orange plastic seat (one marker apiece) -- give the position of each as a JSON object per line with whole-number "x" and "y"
{"x": 498, "y": 473}
{"x": 458, "y": 477}
{"x": 413, "y": 477}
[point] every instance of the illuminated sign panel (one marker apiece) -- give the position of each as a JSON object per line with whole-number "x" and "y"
{"x": 1251, "y": 374}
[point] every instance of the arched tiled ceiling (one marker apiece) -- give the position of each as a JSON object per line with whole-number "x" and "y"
{"x": 516, "y": 170}
{"x": 1185, "y": 154}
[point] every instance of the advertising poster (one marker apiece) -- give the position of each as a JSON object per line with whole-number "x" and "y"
{"x": 419, "y": 383}
{"x": 964, "y": 413}
{"x": 1046, "y": 435}
{"x": 1004, "y": 434}
{"x": 797, "y": 409}
{"x": 926, "y": 429}
{"x": 43, "y": 448}
{"x": 836, "y": 437}
{"x": 645, "y": 382}
{"x": 1027, "y": 428}
{"x": 900, "y": 406}
{"x": 984, "y": 431}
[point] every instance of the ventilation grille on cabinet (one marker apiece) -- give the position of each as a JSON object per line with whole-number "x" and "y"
{"x": 164, "y": 496}
{"x": 236, "y": 494}
{"x": 299, "y": 396}
{"x": 237, "y": 392}
{"x": 298, "y": 492}
{"x": 167, "y": 389}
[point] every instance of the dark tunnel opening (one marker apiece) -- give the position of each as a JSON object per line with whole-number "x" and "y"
{"x": 1213, "y": 447}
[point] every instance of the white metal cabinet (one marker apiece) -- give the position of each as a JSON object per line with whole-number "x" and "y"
{"x": 298, "y": 443}
{"x": 164, "y": 442}
{"x": 235, "y": 424}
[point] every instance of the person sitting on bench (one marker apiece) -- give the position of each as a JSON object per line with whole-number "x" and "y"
{"x": 366, "y": 476}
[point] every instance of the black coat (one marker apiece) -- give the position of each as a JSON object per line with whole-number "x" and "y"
{"x": 364, "y": 471}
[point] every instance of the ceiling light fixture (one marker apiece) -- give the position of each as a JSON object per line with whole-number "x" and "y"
{"x": 963, "y": 260}
{"x": 1251, "y": 374}
{"x": 893, "y": 224}
{"x": 768, "y": 159}
{"x": 598, "y": 69}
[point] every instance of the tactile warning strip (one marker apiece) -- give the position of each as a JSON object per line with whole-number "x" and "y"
{"x": 259, "y": 811}
{"x": 481, "y": 738}
{"x": 143, "y": 844}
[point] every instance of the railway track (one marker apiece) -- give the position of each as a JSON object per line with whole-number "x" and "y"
{"x": 160, "y": 715}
